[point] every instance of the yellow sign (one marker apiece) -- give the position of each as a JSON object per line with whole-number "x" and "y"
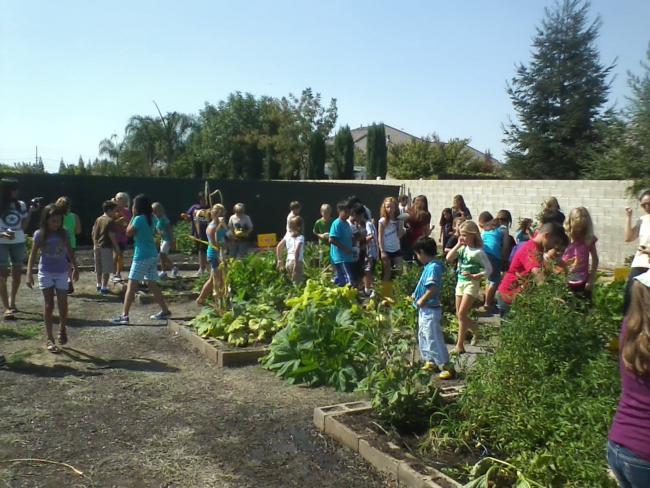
{"x": 621, "y": 274}
{"x": 267, "y": 240}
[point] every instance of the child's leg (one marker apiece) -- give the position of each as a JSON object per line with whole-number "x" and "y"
{"x": 98, "y": 265}
{"x": 62, "y": 303}
{"x": 205, "y": 291}
{"x": 48, "y": 310}
{"x": 297, "y": 272}
{"x": 203, "y": 259}
{"x": 424, "y": 341}
{"x": 385, "y": 268}
{"x": 104, "y": 280}
{"x": 158, "y": 296}
{"x": 131, "y": 288}
{"x": 438, "y": 347}
{"x": 165, "y": 262}
{"x": 464, "y": 322}
{"x": 397, "y": 263}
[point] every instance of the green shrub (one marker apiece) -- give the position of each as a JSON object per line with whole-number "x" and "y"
{"x": 184, "y": 244}
{"x": 544, "y": 400}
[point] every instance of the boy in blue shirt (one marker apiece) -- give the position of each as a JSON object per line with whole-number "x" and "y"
{"x": 341, "y": 252}
{"x": 426, "y": 299}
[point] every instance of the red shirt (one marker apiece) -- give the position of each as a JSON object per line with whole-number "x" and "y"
{"x": 528, "y": 258}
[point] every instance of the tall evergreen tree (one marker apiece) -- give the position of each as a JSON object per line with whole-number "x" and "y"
{"x": 317, "y": 156}
{"x": 381, "y": 151}
{"x": 343, "y": 165}
{"x": 559, "y": 97}
{"x": 371, "y": 158}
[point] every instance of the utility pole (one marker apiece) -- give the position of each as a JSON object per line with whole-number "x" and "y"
{"x": 36, "y": 158}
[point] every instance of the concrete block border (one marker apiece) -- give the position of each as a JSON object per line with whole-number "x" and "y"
{"x": 327, "y": 421}
{"x": 210, "y": 348}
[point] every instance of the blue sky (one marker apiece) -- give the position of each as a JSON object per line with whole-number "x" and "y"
{"x": 73, "y": 72}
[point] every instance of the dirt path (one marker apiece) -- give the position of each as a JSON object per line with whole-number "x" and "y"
{"x": 135, "y": 407}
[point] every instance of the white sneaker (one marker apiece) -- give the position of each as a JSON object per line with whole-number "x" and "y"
{"x": 162, "y": 275}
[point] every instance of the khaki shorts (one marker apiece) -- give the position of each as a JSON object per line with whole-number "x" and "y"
{"x": 295, "y": 270}
{"x": 471, "y": 288}
{"x": 104, "y": 260}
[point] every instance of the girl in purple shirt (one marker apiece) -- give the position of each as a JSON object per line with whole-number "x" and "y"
{"x": 51, "y": 240}
{"x": 628, "y": 449}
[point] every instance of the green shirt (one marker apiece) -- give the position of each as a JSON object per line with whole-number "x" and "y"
{"x": 70, "y": 225}
{"x": 321, "y": 227}
{"x": 473, "y": 261}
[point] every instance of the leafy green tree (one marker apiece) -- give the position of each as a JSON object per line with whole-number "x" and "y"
{"x": 343, "y": 154}
{"x": 419, "y": 158}
{"x": 381, "y": 151}
{"x": 371, "y": 159}
{"x": 558, "y": 97}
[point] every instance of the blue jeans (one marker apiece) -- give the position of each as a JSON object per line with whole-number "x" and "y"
{"x": 630, "y": 470}
{"x": 343, "y": 274}
{"x": 430, "y": 337}
{"x": 503, "y": 307}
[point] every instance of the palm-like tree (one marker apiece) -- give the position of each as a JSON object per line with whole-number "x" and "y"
{"x": 111, "y": 149}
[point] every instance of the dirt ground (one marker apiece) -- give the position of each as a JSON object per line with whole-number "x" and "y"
{"x": 132, "y": 406}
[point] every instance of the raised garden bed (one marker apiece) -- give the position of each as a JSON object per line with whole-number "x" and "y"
{"x": 352, "y": 425}
{"x": 218, "y": 352}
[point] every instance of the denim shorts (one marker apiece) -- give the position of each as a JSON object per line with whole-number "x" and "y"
{"x": 631, "y": 471}
{"x": 144, "y": 270}
{"x": 14, "y": 253}
{"x": 53, "y": 280}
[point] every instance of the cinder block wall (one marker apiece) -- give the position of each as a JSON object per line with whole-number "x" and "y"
{"x": 605, "y": 200}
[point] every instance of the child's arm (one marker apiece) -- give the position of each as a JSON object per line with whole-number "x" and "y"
{"x": 113, "y": 238}
{"x": 431, "y": 291}
{"x": 631, "y": 233}
{"x": 487, "y": 266}
{"x": 73, "y": 260}
{"x": 30, "y": 263}
{"x": 93, "y": 235}
{"x": 278, "y": 254}
{"x": 130, "y": 229}
{"x": 453, "y": 252}
{"x": 505, "y": 248}
{"x": 594, "y": 267}
{"x": 380, "y": 238}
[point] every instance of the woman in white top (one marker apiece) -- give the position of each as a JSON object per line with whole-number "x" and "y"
{"x": 641, "y": 231}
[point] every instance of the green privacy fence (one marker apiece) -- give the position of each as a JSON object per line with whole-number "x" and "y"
{"x": 267, "y": 202}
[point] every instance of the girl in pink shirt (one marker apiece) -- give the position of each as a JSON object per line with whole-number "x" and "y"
{"x": 580, "y": 229}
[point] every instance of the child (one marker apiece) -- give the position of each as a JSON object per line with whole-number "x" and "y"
{"x": 529, "y": 262}
{"x": 322, "y": 226}
{"x": 341, "y": 252}
{"x": 473, "y": 266}
{"x": 294, "y": 211}
{"x": 446, "y": 227}
{"x": 580, "y": 229}
{"x": 240, "y": 226}
{"x": 104, "y": 236}
{"x": 122, "y": 218}
{"x": 524, "y": 231}
{"x": 72, "y": 225}
{"x": 495, "y": 246}
{"x": 403, "y": 201}
{"x": 453, "y": 240}
{"x": 198, "y": 219}
{"x": 427, "y": 300}
{"x": 144, "y": 266}
{"x": 164, "y": 228}
{"x": 357, "y": 221}
{"x": 216, "y": 234}
{"x": 628, "y": 449}
{"x": 372, "y": 254}
{"x": 295, "y": 244}
{"x": 53, "y": 271}
{"x": 391, "y": 229}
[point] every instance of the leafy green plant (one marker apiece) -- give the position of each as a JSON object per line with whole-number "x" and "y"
{"x": 256, "y": 278}
{"x": 324, "y": 340}
{"x": 544, "y": 400}
{"x": 184, "y": 244}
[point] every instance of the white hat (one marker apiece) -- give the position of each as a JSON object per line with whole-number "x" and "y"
{"x": 644, "y": 278}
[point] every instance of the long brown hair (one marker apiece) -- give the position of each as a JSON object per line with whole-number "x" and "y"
{"x": 419, "y": 211}
{"x": 382, "y": 211}
{"x": 635, "y": 349}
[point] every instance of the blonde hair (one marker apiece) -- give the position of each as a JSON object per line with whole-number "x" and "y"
{"x": 579, "y": 226}
{"x": 63, "y": 203}
{"x": 158, "y": 206}
{"x": 239, "y": 206}
{"x": 121, "y": 195}
{"x": 384, "y": 213}
{"x": 551, "y": 203}
{"x": 295, "y": 224}
{"x": 470, "y": 227}
{"x": 635, "y": 348}
{"x": 217, "y": 207}
{"x": 326, "y": 206}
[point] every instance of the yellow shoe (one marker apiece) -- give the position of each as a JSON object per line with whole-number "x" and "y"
{"x": 429, "y": 366}
{"x": 445, "y": 375}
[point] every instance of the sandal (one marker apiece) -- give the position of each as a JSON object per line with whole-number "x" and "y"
{"x": 63, "y": 337}
{"x": 51, "y": 347}
{"x": 9, "y": 315}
